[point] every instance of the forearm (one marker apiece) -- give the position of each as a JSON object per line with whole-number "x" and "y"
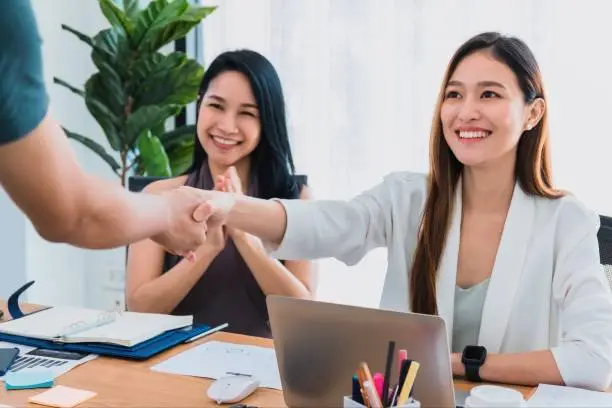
{"x": 265, "y": 219}
{"x": 67, "y": 205}
{"x": 164, "y": 293}
{"x": 109, "y": 215}
{"x": 530, "y": 368}
{"x": 272, "y": 276}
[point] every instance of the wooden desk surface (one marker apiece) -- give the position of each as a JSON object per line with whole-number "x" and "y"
{"x": 133, "y": 384}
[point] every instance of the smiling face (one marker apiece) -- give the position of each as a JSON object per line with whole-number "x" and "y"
{"x": 228, "y": 122}
{"x": 484, "y": 112}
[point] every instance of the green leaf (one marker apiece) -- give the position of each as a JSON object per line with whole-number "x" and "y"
{"x": 96, "y": 148}
{"x": 164, "y": 21}
{"x": 65, "y": 84}
{"x": 180, "y": 156}
{"x": 153, "y": 157}
{"x": 157, "y": 14}
{"x": 85, "y": 38}
{"x": 178, "y": 27}
{"x": 171, "y": 79}
{"x": 116, "y": 17}
{"x": 112, "y": 47}
{"x": 131, "y": 8}
{"x": 106, "y": 88}
{"x": 178, "y": 136}
{"x": 107, "y": 120}
{"x": 147, "y": 117}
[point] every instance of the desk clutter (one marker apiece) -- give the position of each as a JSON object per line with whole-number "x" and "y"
{"x": 379, "y": 390}
{"x": 42, "y": 362}
{"x": 216, "y": 359}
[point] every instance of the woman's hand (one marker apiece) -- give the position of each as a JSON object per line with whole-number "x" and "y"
{"x": 230, "y": 182}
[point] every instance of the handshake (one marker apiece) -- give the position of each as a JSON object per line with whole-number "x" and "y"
{"x": 191, "y": 212}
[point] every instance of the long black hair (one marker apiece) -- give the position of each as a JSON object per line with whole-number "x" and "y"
{"x": 271, "y": 161}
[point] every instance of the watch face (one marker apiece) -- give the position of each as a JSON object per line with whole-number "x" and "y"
{"x": 475, "y": 354}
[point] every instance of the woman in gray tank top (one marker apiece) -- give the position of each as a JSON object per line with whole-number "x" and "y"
{"x": 241, "y": 145}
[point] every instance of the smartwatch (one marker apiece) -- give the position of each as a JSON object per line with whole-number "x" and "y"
{"x": 473, "y": 358}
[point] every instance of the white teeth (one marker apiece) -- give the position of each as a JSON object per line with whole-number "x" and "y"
{"x": 224, "y": 141}
{"x": 473, "y": 135}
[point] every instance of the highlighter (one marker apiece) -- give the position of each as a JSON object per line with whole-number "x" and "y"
{"x": 408, "y": 383}
{"x": 379, "y": 384}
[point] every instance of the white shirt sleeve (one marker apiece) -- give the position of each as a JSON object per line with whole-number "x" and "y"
{"x": 580, "y": 287}
{"x": 345, "y": 230}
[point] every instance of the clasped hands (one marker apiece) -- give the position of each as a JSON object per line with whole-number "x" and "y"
{"x": 196, "y": 218}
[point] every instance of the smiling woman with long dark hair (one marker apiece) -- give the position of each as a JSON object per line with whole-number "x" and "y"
{"x": 241, "y": 146}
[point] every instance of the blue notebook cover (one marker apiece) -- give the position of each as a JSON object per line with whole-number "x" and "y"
{"x": 140, "y": 351}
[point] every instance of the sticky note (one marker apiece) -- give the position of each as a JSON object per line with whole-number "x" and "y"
{"x": 22, "y": 380}
{"x": 62, "y": 397}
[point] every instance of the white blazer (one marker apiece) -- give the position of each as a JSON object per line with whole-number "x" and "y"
{"x": 547, "y": 289}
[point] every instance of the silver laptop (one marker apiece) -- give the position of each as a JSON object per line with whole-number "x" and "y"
{"x": 319, "y": 347}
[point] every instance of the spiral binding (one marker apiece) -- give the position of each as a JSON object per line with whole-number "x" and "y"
{"x": 82, "y": 325}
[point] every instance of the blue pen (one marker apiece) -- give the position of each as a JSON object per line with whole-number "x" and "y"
{"x": 357, "y": 397}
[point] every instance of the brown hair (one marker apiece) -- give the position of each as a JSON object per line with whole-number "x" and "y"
{"x": 532, "y": 168}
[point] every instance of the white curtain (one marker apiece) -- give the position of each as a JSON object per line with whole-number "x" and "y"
{"x": 361, "y": 78}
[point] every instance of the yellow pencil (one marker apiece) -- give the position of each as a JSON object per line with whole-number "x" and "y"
{"x": 408, "y": 383}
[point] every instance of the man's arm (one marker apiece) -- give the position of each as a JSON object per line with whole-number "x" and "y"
{"x": 41, "y": 175}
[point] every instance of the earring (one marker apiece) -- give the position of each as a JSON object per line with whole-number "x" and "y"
{"x": 529, "y": 126}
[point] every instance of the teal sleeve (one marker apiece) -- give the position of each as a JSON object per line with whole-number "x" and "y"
{"x": 23, "y": 97}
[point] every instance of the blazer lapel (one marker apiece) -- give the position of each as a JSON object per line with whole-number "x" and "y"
{"x": 447, "y": 270}
{"x": 507, "y": 270}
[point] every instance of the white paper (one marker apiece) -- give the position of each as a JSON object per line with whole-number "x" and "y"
{"x": 57, "y": 366}
{"x": 217, "y": 359}
{"x": 558, "y": 396}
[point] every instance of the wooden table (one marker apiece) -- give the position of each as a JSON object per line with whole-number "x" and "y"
{"x": 123, "y": 383}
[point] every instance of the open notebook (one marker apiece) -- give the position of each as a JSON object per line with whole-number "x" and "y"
{"x": 80, "y": 325}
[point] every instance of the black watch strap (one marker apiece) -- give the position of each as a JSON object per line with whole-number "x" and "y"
{"x": 472, "y": 372}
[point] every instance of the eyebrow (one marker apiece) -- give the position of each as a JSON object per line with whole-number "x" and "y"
{"x": 482, "y": 84}
{"x": 220, "y": 99}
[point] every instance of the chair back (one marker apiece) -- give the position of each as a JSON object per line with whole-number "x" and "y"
{"x": 604, "y": 236}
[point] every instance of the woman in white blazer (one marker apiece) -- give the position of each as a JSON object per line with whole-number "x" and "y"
{"x": 485, "y": 241}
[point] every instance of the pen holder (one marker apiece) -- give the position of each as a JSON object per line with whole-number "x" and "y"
{"x": 349, "y": 402}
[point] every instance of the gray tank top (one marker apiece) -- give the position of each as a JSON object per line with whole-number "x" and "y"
{"x": 468, "y": 315}
{"x": 227, "y": 291}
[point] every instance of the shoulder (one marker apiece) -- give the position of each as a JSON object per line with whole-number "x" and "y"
{"x": 165, "y": 184}
{"x": 569, "y": 213}
{"x": 22, "y": 89}
{"x": 570, "y": 219}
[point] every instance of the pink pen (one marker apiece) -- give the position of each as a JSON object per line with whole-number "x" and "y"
{"x": 379, "y": 381}
{"x": 402, "y": 355}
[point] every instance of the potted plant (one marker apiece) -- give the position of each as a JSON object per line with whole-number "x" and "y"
{"x": 137, "y": 87}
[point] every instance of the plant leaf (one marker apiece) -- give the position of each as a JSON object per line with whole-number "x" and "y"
{"x": 180, "y": 156}
{"x": 85, "y": 38}
{"x": 131, "y": 8}
{"x": 107, "y": 120}
{"x": 163, "y": 22}
{"x": 157, "y": 14}
{"x": 112, "y": 46}
{"x": 171, "y": 79}
{"x": 65, "y": 84}
{"x": 153, "y": 157}
{"x": 105, "y": 88}
{"x": 116, "y": 17}
{"x": 147, "y": 117}
{"x": 177, "y": 27}
{"x": 96, "y": 148}
{"x": 178, "y": 136}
